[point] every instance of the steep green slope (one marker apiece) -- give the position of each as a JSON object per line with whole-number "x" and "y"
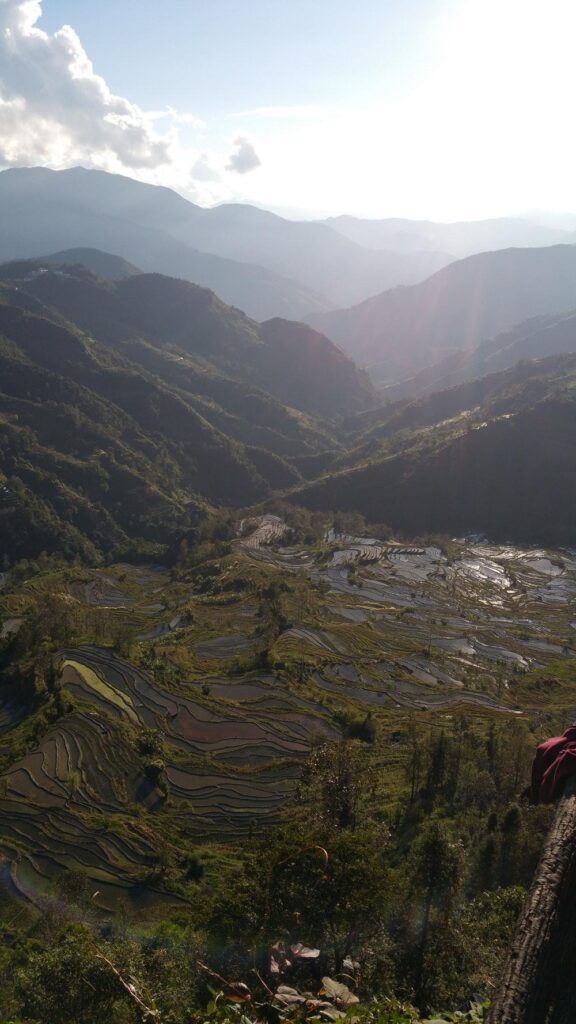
{"x": 94, "y": 451}
{"x": 183, "y": 320}
{"x": 510, "y": 390}
{"x": 128, "y": 404}
{"x": 505, "y": 468}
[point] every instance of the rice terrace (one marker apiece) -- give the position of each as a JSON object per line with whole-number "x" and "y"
{"x": 193, "y": 698}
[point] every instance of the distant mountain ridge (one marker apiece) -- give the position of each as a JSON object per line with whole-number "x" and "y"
{"x": 400, "y": 332}
{"x": 460, "y": 238}
{"x": 310, "y": 252}
{"x": 255, "y": 260}
{"x": 45, "y": 211}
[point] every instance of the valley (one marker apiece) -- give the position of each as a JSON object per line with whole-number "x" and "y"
{"x": 191, "y": 615}
{"x": 287, "y": 530}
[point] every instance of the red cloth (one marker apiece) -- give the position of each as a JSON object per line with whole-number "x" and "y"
{"x": 555, "y": 762}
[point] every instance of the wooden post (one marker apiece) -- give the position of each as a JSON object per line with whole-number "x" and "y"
{"x": 538, "y": 976}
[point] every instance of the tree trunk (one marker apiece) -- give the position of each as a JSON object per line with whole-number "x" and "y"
{"x": 538, "y": 975}
{"x": 564, "y": 998}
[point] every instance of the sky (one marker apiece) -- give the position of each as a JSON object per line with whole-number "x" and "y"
{"x": 443, "y": 109}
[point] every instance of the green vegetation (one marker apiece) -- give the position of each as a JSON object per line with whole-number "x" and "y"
{"x": 495, "y": 457}
{"x": 101, "y": 687}
{"x": 121, "y": 426}
{"x": 128, "y": 409}
{"x": 254, "y": 787}
{"x": 265, "y": 765}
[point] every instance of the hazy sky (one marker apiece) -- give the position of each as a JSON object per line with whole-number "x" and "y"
{"x": 438, "y": 108}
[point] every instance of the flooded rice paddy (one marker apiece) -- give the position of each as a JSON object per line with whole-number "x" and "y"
{"x": 388, "y": 629}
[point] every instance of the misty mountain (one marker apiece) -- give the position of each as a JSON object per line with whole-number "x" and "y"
{"x": 258, "y": 261}
{"x": 44, "y": 211}
{"x": 310, "y": 252}
{"x": 102, "y": 264}
{"x": 462, "y": 238}
{"x": 532, "y": 339}
{"x": 404, "y": 330}
{"x": 562, "y": 221}
{"x": 571, "y": 238}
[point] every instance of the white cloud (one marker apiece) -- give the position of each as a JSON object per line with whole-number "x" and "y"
{"x": 176, "y": 117}
{"x": 55, "y": 109}
{"x": 244, "y": 158}
{"x": 203, "y": 169}
{"x": 302, "y": 111}
{"x": 483, "y": 128}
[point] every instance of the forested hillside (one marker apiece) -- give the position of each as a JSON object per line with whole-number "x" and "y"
{"x": 494, "y": 457}
{"x": 183, "y": 320}
{"x": 127, "y": 407}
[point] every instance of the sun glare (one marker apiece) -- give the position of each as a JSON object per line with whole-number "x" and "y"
{"x": 483, "y": 129}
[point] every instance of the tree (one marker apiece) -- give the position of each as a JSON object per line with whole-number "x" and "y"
{"x": 539, "y": 973}
{"x": 435, "y": 871}
{"x": 336, "y": 903}
{"x": 415, "y": 762}
{"x": 438, "y": 766}
{"x": 332, "y": 781}
{"x": 510, "y": 849}
{"x": 66, "y": 983}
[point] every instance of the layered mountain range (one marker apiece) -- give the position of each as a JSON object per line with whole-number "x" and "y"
{"x": 133, "y": 401}
{"x": 534, "y": 338}
{"x": 262, "y": 263}
{"x": 127, "y": 406}
{"x": 403, "y": 330}
{"x": 461, "y": 238}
